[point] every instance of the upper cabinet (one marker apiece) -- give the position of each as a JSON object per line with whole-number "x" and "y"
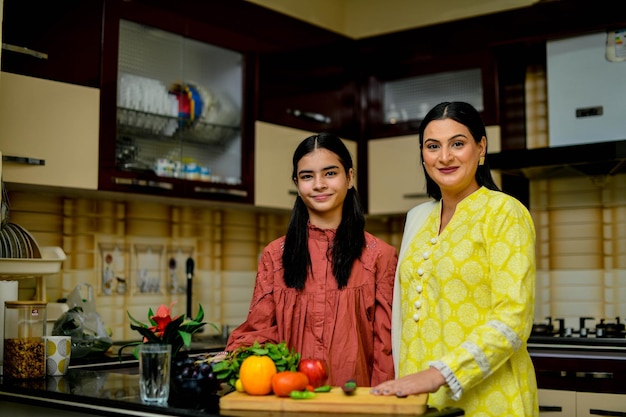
{"x": 48, "y": 132}
{"x": 396, "y": 181}
{"x": 49, "y": 92}
{"x": 173, "y": 107}
{"x": 275, "y": 145}
{"x": 313, "y": 89}
{"x": 57, "y": 41}
{"x": 406, "y": 77}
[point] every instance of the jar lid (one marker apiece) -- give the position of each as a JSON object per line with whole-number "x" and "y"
{"x": 21, "y": 303}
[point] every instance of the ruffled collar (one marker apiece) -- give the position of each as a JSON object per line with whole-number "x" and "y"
{"x": 321, "y": 234}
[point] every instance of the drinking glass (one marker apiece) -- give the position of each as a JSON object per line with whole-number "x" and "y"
{"x": 154, "y": 372}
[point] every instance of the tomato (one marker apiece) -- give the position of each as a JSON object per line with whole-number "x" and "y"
{"x": 316, "y": 370}
{"x": 286, "y": 381}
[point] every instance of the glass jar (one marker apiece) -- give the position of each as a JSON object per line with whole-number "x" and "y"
{"x": 24, "y": 346}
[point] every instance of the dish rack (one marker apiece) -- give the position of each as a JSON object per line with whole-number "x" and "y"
{"x": 20, "y": 268}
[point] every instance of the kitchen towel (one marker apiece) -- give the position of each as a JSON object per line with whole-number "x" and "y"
{"x": 8, "y": 292}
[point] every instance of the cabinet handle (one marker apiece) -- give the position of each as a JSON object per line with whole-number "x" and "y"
{"x": 596, "y": 375}
{"x": 24, "y": 50}
{"x": 316, "y": 117}
{"x": 143, "y": 183}
{"x": 23, "y": 160}
{"x": 550, "y": 409}
{"x": 596, "y": 412}
{"x": 217, "y": 190}
{"x": 292, "y": 192}
{"x": 414, "y": 195}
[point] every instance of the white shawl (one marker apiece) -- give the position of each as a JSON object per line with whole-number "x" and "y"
{"x": 414, "y": 220}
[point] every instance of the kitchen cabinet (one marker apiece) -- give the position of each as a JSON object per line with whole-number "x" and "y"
{"x": 172, "y": 116}
{"x": 396, "y": 181}
{"x": 580, "y": 404}
{"x": 49, "y": 132}
{"x": 57, "y": 41}
{"x": 557, "y": 403}
{"x": 590, "y": 404}
{"x": 273, "y": 167}
{"x": 311, "y": 94}
{"x": 406, "y": 78}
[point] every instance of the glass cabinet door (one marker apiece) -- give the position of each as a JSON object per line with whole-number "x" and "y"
{"x": 179, "y": 107}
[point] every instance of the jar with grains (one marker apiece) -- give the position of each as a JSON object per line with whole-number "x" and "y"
{"x": 24, "y": 346}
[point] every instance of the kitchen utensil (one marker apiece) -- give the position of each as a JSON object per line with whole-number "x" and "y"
{"x": 189, "y": 272}
{"x": 173, "y": 278}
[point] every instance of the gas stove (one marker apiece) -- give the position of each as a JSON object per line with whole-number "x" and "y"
{"x": 604, "y": 335}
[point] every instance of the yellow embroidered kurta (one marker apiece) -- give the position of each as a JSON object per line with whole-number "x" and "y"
{"x": 467, "y": 305}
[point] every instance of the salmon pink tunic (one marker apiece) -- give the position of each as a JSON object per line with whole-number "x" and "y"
{"x": 349, "y": 328}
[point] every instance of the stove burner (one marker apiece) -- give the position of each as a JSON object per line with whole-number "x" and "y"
{"x": 601, "y": 330}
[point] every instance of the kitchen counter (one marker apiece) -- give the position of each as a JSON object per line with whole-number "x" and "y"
{"x": 110, "y": 388}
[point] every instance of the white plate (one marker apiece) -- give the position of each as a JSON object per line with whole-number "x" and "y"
{"x": 50, "y": 263}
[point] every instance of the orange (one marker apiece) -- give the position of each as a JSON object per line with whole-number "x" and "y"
{"x": 256, "y": 374}
{"x": 286, "y": 381}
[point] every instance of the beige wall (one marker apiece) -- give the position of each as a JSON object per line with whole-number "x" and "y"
{"x": 363, "y": 18}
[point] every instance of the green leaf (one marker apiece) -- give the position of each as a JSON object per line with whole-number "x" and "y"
{"x": 137, "y": 322}
{"x": 186, "y": 337}
{"x": 150, "y": 314}
{"x": 200, "y": 314}
{"x": 147, "y": 333}
{"x": 135, "y": 351}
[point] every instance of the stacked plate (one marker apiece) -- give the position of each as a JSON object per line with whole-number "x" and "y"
{"x": 15, "y": 241}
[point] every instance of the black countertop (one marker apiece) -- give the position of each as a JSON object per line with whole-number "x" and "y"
{"x": 104, "y": 386}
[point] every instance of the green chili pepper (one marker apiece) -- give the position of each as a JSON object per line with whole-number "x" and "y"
{"x": 323, "y": 388}
{"x": 302, "y": 395}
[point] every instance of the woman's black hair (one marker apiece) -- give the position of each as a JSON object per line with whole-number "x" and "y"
{"x": 468, "y": 116}
{"x": 350, "y": 235}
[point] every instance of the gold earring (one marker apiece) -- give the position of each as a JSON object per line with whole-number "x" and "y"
{"x": 481, "y": 161}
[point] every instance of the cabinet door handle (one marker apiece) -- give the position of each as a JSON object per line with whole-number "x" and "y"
{"x": 597, "y": 412}
{"x": 292, "y": 192}
{"x": 414, "y": 195}
{"x": 550, "y": 409}
{"x": 595, "y": 375}
{"x": 217, "y": 190}
{"x": 316, "y": 117}
{"x": 143, "y": 183}
{"x": 24, "y": 50}
{"x": 23, "y": 160}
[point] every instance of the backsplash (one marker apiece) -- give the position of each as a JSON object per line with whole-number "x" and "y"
{"x": 132, "y": 252}
{"x": 581, "y": 248}
{"x": 581, "y": 251}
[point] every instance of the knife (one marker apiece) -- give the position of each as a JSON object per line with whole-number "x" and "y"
{"x": 189, "y": 271}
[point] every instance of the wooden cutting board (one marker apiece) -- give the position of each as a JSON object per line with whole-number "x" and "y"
{"x": 334, "y": 401}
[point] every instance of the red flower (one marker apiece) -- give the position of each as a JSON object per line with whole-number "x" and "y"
{"x": 161, "y": 319}
{"x": 164, "y": 328}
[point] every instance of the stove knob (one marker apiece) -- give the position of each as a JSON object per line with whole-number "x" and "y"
{"x": 568, "y": 332}
{"x": 583, "y": 332}
{"x": 600, "y": 332}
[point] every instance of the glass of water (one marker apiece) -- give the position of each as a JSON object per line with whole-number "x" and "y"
{"x": 154, "y": 372}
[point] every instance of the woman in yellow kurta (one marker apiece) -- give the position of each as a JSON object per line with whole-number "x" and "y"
{"x": 464, "y": 293}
